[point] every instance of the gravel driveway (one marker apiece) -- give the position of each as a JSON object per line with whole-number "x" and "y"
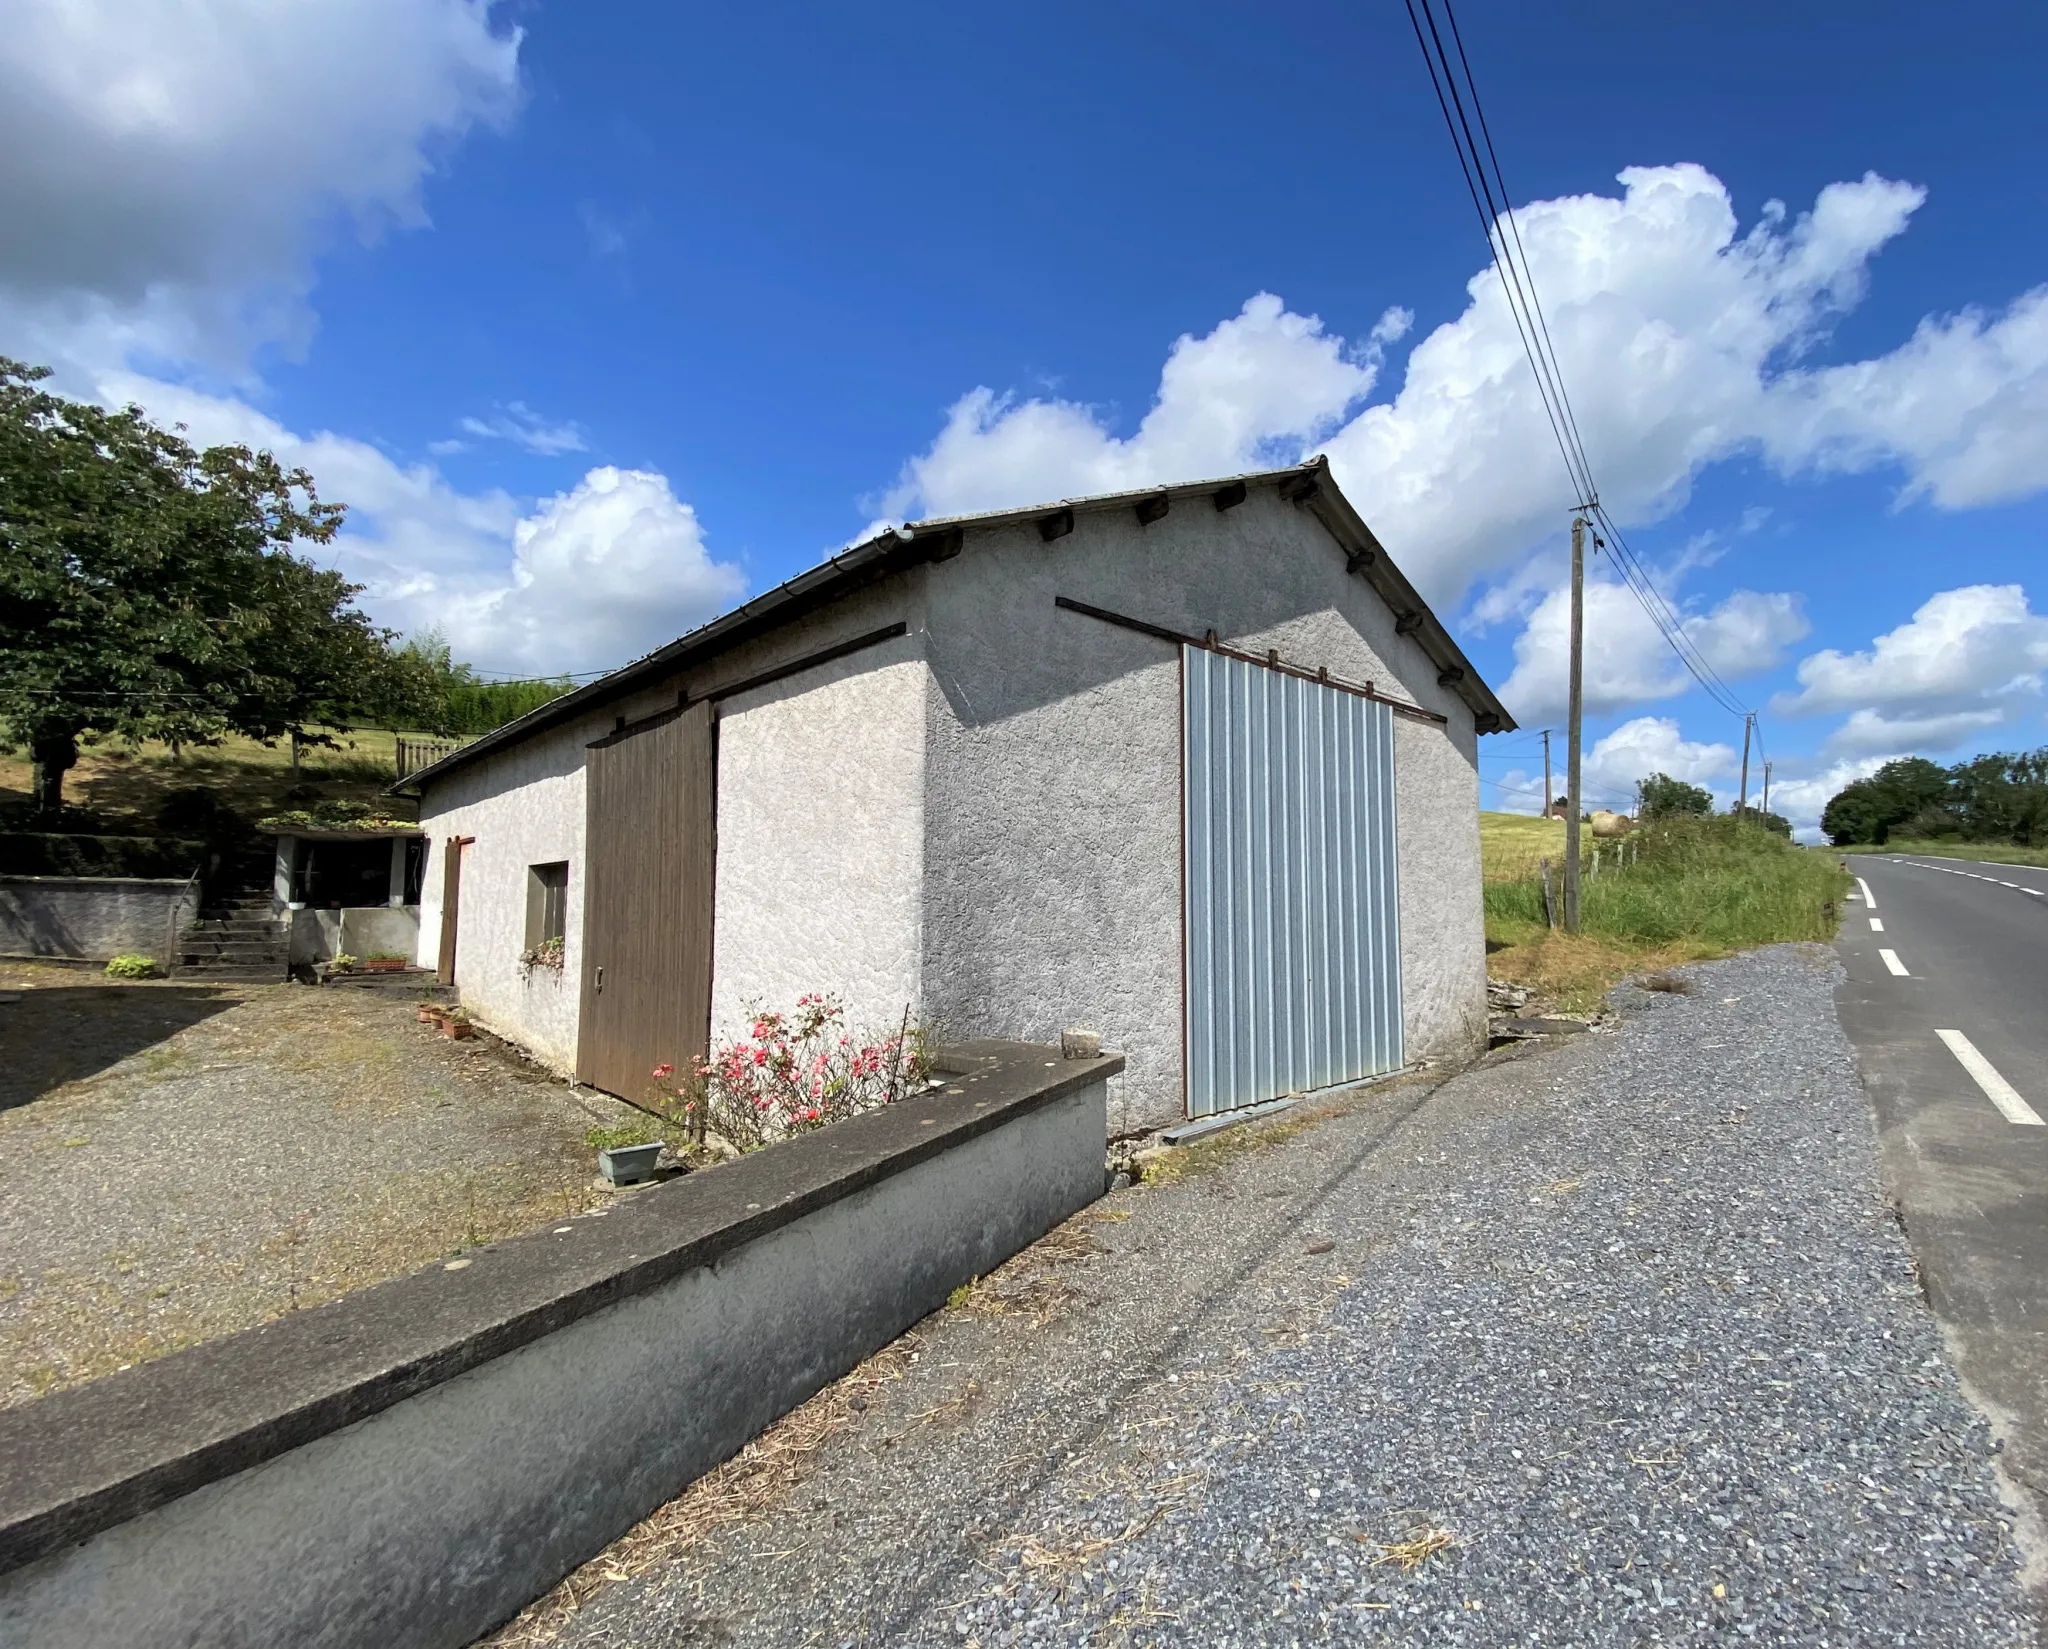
{"x": 1612, "y": 1343}
{"x": 180, "y": 1161}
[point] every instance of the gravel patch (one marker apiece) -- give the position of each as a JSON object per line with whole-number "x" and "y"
{"x": 181, "y": 1161}
{"x": 1608, "y": 1341}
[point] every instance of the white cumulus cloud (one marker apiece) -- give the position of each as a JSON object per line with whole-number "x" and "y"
{"x": 1969, "y": 660}
{"x": 1260, "y": 388}
{"x": 167, "y": 172}
{"x": 1653, "y": 744}
{"x": 613, "y": 568}
{"x": 1628, "y": 661}
{"x": 1680, "y": 335}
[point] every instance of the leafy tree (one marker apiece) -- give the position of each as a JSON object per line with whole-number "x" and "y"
{"x": 1660, "y": 796}
{"x": 147, "y": 589}
{"x": 1868, "y": 810}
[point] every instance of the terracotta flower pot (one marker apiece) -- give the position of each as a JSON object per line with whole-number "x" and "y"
{"x": 459, "y": 1029}
{"x": 432, "y": 1013}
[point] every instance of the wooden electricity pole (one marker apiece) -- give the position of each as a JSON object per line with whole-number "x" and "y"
{"x": 1767, "y": 790}
{"x": 1546, "y": 773}
{"x": 1742, "y": 805}
{"x": 1571, "y": 757}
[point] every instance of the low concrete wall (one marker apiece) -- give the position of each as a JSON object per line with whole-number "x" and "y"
{"x": 367, "y": 930}
{"x": 412, "y": 1464}
{"x": 93, "y": 918}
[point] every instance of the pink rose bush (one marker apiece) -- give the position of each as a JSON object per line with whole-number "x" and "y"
{"x": 794, "y": 1072}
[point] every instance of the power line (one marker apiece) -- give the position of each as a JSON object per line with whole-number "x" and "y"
{"x": 1479, "y": 162}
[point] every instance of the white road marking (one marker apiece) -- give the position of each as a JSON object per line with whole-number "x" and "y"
{"x": 1876, "y": 926}
{"x": 1891, "y": 960}
{"x": 1869, "y": 902}
{"x": 1996, "y": 1089}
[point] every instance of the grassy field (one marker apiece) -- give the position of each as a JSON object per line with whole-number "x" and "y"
{"x": 1700, "y": 889}
{"x": 1988, "y": 853}
{"x": 126, "y": 784}
{"x": 1512, "y": 845}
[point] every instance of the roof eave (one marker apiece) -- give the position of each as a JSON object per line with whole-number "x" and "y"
{"x": 1371, "y": 562}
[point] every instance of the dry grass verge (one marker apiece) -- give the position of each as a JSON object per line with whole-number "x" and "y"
{"x": 753, "y": 1482}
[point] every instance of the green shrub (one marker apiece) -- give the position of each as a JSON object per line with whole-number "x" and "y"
{"x": 50, "y": 853}
{"x": 133, "y": 967}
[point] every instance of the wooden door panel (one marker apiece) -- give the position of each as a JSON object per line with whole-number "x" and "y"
{"x": 649, "y": 862}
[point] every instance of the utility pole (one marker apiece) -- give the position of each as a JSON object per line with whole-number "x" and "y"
{"x": 1742, "y": 806}
{"x": 1546, "y": 773}
{"x": 1767, "y": 790}
{"x": 1571, "y": 759}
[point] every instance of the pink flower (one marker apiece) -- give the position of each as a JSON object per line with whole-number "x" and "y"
{"x": 661, "y": 1071}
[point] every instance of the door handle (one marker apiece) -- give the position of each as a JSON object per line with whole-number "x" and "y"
{"x": 597, "y": 985}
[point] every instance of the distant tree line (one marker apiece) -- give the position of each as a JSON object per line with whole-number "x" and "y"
{"x": 451, "y": 698}
{"x": 153, "y": 590}
{"x": 1995, "y": 798}
{"x": 1660, "y": 796}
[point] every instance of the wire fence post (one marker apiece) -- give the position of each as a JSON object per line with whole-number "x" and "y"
{"x": 1549, "y": 901}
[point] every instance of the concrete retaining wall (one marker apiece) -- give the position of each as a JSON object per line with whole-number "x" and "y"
{"x": 411, "y": 1465}
{"x": 95, "y": 918}
{"x": 366, "y": 930}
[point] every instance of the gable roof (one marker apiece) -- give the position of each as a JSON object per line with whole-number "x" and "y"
{"x": 894, "y": 550}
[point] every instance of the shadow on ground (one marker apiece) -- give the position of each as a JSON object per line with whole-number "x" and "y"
{"x": 56, "y": 1034}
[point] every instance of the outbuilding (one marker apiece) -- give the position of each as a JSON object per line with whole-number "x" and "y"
{"x": 1194, "y": 768}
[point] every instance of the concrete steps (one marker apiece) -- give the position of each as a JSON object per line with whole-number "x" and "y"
{"x": 241, "y": 938}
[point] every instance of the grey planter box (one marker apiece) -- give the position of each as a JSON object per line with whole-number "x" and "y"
{"x": 629, "y": 1164}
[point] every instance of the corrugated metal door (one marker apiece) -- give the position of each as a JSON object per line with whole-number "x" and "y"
{"x": 649, "y": 858}
{"x": 1292, "y": 915}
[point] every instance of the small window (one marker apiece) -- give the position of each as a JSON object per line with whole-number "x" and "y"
{"x": 547, "y": 903}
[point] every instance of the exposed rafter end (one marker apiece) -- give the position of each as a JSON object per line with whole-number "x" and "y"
{"x": 1299, "y": 489}
{"x": 1056, "y": 525}
{"x": 1408, "y": 623}
{"x": 1358, "y": 560}
{"x": 941, "y": 546}
{"x": 1486, "y": 722}
{"x": 1151, "y": 509}
{"x": 1450, "y": 676}
{"x": 1228, "y": 498}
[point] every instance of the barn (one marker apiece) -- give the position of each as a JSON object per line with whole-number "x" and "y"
{"x": 1194, "y": 768}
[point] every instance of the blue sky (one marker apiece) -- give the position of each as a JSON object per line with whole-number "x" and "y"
{"x": 603, "y": 317}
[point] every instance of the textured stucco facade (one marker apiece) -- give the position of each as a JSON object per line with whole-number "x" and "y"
{"x": 524, "y": 807}
{"x": 981, "y": 819}
{"x": 1053, "y": 807}
{"x": 821, "y": 841}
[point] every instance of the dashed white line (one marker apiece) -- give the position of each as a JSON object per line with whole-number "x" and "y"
{"x": 1868, "y": 902}
{"x": 1876, "y": 926}
{"x": 1996, "y": 1089}
{"x": 1891, "y": 960}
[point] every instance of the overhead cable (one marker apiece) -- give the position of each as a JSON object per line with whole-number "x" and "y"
{"x": 1457, "y": 96}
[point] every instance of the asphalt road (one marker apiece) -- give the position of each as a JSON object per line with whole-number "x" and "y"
{"x": 1962, "y": 1149}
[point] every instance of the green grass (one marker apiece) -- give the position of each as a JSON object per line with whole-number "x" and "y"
{"x": 617, "y": 1139}
{"x": 1989, "y": 853}
{"x": 1698, "y": 888}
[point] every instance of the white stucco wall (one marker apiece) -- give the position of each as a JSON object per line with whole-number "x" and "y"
{"x": 1053, "y": 893}
{"x": 525, "y": 806}
{"x": 821, "y": 840}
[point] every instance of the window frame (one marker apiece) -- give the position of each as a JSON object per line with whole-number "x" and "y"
{"x": 547, "y": 902}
